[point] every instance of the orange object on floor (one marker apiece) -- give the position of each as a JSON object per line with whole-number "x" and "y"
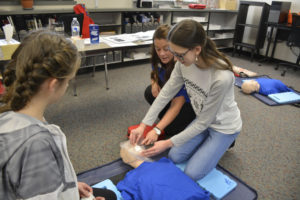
{"x": 147, "y": 129}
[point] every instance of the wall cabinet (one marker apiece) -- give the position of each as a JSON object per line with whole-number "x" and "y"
{"x": 108, "y": 21}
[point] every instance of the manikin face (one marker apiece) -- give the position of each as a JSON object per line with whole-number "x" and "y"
{"x": 184, "y": 55}
{"x": 250, "y": 86}
{"x": 162, "y": 50}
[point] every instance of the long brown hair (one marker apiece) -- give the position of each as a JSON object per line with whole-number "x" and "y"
{"x": 41, "y": 55}
{"x": 160, "y": 33}
{"x": 189, "y": 34}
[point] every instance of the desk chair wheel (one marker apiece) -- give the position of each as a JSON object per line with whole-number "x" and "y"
{"x": 283, "y": 72}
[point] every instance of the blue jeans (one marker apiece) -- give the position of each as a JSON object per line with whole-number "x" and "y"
{"x": 202, "y": 152}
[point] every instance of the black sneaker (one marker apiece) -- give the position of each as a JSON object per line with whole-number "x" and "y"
{"x": 232, "y": 145}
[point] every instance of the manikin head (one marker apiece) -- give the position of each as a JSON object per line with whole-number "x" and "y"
{"x": 250, "y": 86}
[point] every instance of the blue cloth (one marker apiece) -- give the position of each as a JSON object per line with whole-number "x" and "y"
{"x": 271, "y": 86}
{"x": 160, "y": 180}
{"x": 182, "y": 91}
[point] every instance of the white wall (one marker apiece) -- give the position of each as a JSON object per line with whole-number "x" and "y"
{"x": 107, "y": 3}
{"x": 89, "y": 4}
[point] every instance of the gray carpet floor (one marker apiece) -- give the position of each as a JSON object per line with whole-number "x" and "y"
{"x": 266, "y": 155}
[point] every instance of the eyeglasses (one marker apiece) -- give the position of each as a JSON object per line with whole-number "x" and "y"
{"x": 181, "y": 55}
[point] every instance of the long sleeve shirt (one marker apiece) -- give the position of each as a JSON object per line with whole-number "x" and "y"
{"x": 34, "y": 160}
{"x": 211, "y": 92}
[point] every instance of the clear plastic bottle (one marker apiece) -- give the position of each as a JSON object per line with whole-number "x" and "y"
{"x": 75, "y": 28}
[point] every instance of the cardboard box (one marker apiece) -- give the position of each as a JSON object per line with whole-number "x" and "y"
{"x": 7, "y": 48}
{"x": 228, "y": 4}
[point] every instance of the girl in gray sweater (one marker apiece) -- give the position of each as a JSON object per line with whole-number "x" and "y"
{"x": 208, "y": 77}
{"x": 34, "y": 160}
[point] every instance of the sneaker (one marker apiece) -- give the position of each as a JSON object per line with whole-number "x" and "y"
{"x": 232, "y": 145}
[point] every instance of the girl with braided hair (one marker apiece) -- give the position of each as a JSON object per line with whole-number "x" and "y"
{"x": 34, "y": 160}
{"x": 209, "y": 81}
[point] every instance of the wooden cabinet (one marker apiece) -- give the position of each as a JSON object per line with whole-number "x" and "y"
{"x": 108, "y": 21}
{"x": 220, "y": 25}
{"x": 221, "y": 28}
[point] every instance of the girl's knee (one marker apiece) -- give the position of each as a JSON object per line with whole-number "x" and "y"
{"x": 194, "y": 174}
{"x": 175, "y": 157}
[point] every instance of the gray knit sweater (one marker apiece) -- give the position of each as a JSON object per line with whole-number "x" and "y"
{"x": 34, "y": 161}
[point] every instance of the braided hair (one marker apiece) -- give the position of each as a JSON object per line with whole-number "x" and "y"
{"x": 189, "y": 34}
{"x": 41, "y": 55}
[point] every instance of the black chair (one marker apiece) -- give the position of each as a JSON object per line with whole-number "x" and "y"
{"x": 67, "y": 20}
{"x": 293, "y": 41}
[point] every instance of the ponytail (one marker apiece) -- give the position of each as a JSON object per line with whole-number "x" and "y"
{"x": 211, "y": 54}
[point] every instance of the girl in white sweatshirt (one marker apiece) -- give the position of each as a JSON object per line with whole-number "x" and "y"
{"x": 208, "y": 77}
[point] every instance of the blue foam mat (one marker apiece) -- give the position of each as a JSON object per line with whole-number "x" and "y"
{"x": 285, "y": 97}
{"x": 262, "y": 98}
{"x": 117, "y": 167}
{"x": 216, "y": 182}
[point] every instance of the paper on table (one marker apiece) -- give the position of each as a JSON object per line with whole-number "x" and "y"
{"x": 113, "y": 44}
{"x": 133, "y": 37}
{"x": 12, "y": 41}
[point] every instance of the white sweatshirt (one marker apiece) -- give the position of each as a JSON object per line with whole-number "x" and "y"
{"x": 211, "y": 92}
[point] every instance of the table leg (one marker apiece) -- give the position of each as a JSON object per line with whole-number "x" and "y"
{"x": 106, "y": 71}
{"x": 94, "y": 66}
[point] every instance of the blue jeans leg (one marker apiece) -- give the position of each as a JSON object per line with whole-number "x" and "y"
{"x": 211, "y": 147}
{"x": 183, "y": 152}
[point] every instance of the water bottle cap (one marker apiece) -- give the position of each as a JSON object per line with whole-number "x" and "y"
{"x": 74, "y": 18}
